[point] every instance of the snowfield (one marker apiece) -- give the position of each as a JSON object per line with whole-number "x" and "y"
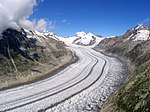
{"x": 142, "y": 35}
{"x": 82, "y": 38}
{"x": 81, "y": 87}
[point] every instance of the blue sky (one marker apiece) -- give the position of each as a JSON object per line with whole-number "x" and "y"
{"x": 104, "y": 17}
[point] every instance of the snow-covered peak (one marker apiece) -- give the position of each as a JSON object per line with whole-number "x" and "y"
{"x": 53, "y": 36}
{"x": 41, "y": 37}
{"x": 47, "y": 33}
{"x": 83, "y": 38}
{"x": 36, "y": 35}
{"x": 139, "y": 26}
{"x": 140, "y": 33}
{"x": 110, "y": 36}
{"x": 84, "y": 34}
{"x": 80, "y": 34}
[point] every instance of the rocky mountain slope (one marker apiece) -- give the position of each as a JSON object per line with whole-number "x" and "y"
{"x": 122, "y": 44}
{"x": 134, "y": 45}
{"x": 26, "y": 55}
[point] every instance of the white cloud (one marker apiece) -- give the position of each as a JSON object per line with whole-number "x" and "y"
{"x": 42, "y": 25}
{"x": 30, "y": 25}
{"x": 13, "y": 12}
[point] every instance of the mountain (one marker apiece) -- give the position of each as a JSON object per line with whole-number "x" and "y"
{"x": 120, "y": 45}
{"x": 82, "y": 38}
{"x": 25, "y": 55}
{"x": 139, "y": 33}
{"x": 134, "y": 47}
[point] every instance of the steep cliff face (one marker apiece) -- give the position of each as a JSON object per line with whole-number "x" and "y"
{"x": 15, "y": 41}
{"x": 134, "y": 96}
{"x": 25, "y": 55}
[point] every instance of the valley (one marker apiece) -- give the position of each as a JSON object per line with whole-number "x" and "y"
{"x": 93, "y": 69}
{"x": 93, "y": 76}
{"x": 74, "y": 56}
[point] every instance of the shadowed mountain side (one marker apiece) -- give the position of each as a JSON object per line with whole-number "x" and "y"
{"x": 23, "y": 58}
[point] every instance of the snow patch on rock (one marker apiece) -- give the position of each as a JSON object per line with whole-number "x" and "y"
{"x": 142, "y": 35}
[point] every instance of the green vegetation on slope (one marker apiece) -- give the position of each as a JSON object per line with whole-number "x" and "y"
{"x": 134, "y": 96}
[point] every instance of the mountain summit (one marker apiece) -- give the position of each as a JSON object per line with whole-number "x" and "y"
{"x": 139, "y": 33}
{"x": 82, "y": 38}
